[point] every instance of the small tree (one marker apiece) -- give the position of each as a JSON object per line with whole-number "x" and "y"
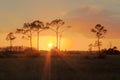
{"x": 26, "y": 30}
{"x": 38, "y": 26}
{"x": 10, "y": 37}
{"x": 56, "y": 27}
{"x": 99, "y": 30}
{"x": 21, "y": 31}
{"x": 90, "y": 47}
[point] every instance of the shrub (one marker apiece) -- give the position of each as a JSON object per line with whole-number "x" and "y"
{"x": 102, "y": 56}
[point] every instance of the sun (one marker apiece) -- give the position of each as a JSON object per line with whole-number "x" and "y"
{"x": 50, "y": 45}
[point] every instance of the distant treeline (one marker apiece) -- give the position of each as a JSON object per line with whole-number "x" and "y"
{"x": 20, "y": 51}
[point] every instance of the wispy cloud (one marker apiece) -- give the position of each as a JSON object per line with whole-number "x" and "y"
{"x": 87, "y": 17}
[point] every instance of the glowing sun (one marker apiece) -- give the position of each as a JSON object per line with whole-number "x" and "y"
{"x": 50, "y": 45}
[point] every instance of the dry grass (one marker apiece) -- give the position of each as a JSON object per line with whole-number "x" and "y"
{"x": 64, "y": 67}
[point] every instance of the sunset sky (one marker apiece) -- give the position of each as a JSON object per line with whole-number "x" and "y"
{"x": 82, "y": 15}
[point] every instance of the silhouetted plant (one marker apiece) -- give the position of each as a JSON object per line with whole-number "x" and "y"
{"x": 21, "y": 31}
{"x": 115, "y": 48}
{"x": 38, "y": 26}
{"x": 27, "y": 30}
{"x": 99, "y": 30}
{"x": 90, "y": 47}
{"x": 96, "y": 44}
{"x": 102, "y": 56}
{"x": 57, "y": 23}
{"x": 113, "y": 51}
{"x": 10, "y": 37}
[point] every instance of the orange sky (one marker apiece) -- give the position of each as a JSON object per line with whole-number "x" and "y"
{"x": 81, "y": 15}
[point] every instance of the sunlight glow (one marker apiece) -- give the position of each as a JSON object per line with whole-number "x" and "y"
{"x": 47, "y": 67}
{"x": 50, "y": 45}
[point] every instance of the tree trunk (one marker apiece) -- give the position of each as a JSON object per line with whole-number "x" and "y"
{"x": 57, "y": 39}
{"x": 30, "y": 40}
{"x": 99, "y": 45}
{"x": 59, "y": 42}
{"x": 10, "y": 45}
{"x": 38, "y": 40}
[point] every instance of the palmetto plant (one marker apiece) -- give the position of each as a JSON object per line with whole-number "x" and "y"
{"x": 99, "y": 30}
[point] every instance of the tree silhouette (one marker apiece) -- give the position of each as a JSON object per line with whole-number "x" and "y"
{"x": 56, "y": 27}
{"x": 38, "y": 26}
{"x": 90, "y": 47}
{"x": 99, "y": 30}
{"x": 27, "y": 30}
{"x": 60, "y": 36}
{"x": 10, "y": 37}
{"x": 21, "y": 31}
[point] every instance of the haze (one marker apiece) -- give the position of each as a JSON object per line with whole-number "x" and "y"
{"x": 82, "y": 15}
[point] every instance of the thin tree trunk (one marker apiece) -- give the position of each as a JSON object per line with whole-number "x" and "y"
{"x": 10, "y": 45}
{"x": 99, "y": 45}
{"x": 38, "y": 40}
{"x": 31, "y": 40}
{"x": 59, "y": 43}
{"x": 57, "y": 40}
{"x": 57, "y": 36}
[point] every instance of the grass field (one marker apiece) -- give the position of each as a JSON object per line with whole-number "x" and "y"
{"x": 65, "y": 67}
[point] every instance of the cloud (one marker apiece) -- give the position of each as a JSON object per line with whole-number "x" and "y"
{"x": 86, "y": 17}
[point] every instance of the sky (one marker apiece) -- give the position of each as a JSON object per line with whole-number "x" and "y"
{"x": 82, "y": 15}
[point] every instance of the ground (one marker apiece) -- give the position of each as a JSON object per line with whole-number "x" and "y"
{"x": 64, "y": 67}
